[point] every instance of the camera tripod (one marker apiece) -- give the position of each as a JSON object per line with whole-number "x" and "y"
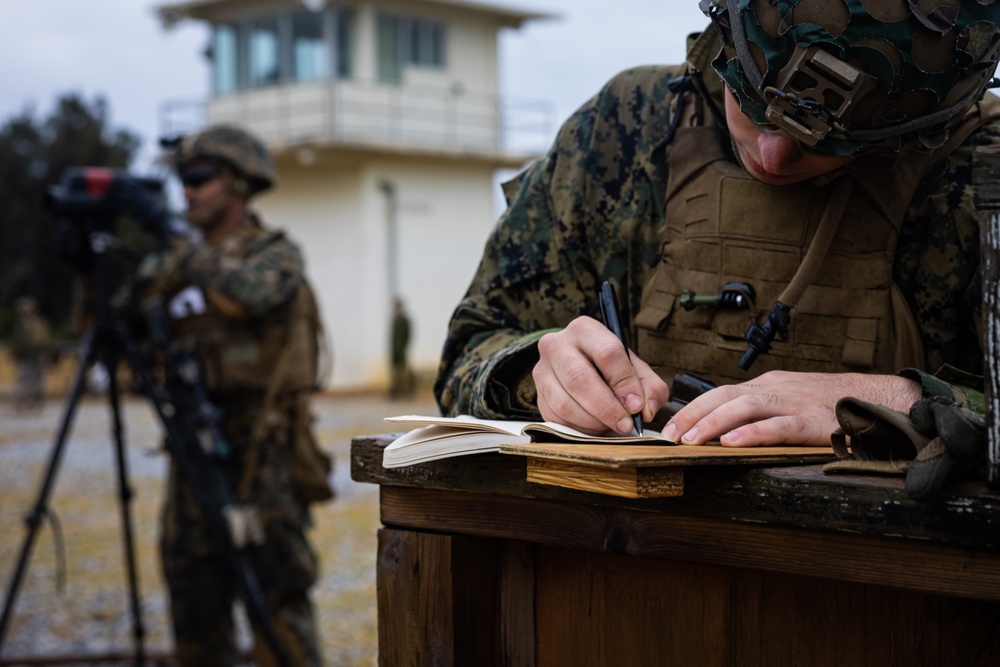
{"x": 109, "y": 341}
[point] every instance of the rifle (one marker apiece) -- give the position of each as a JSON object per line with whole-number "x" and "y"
{"x": 198, "y": 447}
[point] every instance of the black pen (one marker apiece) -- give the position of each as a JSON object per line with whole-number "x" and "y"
{"x": 613, "y": 320}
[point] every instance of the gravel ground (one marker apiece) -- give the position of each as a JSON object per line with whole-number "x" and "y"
{"x": 89, "y": 613}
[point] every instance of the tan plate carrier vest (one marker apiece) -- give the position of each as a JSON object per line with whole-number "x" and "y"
{"x": 240, "y": 355}
{"x": 723, "y": 225}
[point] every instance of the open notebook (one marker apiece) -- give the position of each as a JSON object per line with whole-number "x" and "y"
{"x": 443, "y": 437}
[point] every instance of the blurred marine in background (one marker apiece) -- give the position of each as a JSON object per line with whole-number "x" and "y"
{"x": 238, "y": 297}
{"x": 31, "y": 346}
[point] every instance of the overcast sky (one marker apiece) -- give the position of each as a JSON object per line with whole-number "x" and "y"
{"x": 118, "y": 49}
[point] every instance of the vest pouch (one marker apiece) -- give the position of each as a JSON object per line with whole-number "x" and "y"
{"x": 301, "y": 373}
{"x": 245, "y": 363}
{"x": 656, "y": 315}
{"x": 730, "y": 325}
{"x": 659, "y": 300}
{"x": 651, "y": 323}
{"x": 310, "y": 467}
{"x": 239, "y": 363}
{"x": 246, "y": 355}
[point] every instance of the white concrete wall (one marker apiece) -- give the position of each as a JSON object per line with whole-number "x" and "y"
{"x": 339, "y": 218}
{"x": 444, "y": 216}
{"x": 322, "y": 211}
{"x": 472, "y": 54}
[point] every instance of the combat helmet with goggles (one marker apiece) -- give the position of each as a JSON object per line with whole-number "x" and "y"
{"x": 849, "y": 76}
{"x": 232, "y": 146}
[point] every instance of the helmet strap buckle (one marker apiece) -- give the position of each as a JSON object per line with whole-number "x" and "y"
{"x": 814, "y": 92}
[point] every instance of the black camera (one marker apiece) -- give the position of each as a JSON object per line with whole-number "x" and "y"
{"x": 98, "y": 192}
{"x": 89, "y": 202}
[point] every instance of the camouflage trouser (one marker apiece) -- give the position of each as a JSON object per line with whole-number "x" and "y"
{"x": 30, "y": 383}
{"x": 203, "y": 589}
{"x": 402, "y": 378}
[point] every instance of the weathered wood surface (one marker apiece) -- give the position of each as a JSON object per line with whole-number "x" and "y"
{"x": 986, "y": 177}
{"x": 454, "y": 600}
{"x": 643, "y": 471}
{"x": 787, "y": 496}
{"x": 517, "y": 604}
{"x": 595, "y": 609}
{"x": 664, "y": 456}
{"x": 415, "y": 613}
{"x": 895, "y": 562}
{"x": 624, "y": 482}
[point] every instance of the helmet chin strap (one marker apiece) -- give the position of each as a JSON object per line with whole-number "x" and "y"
{"x": 741, "y": 46}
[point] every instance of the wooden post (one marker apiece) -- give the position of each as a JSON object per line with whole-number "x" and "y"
{"x": 986, "y": 178}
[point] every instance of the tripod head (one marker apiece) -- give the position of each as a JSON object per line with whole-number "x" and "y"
{"x": 98, "y": 193}
{"x": 90, "y": 202}
{"x": 96, "y": 197}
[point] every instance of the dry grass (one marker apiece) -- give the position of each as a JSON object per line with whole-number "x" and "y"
{"x": 92, "y": 613}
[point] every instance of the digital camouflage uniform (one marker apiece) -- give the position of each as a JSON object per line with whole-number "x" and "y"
{"x": 30, "y": 345}
{"x": 401, "y": 383}
{"x": 593, "y": 209}
{"x": 202, "y": 589}
{"x": 261, "y": 271}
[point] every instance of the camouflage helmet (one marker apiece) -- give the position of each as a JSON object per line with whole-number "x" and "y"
{"x": 843, "y": 76}
{"x": 235, "y": 147}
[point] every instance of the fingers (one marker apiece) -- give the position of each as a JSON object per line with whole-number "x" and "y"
{"x": 786, "y": 430}
{"x": 562, "y": 377}
{"x": 585, "y": 379}
{"x": 656, "y": 393}
{"x": 777, "y": 408}
{"x": 557, "y": 406}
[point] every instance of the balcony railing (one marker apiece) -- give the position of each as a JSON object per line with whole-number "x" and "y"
{"x": 366, "y": 113}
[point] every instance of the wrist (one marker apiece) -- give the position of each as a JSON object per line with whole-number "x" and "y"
{"x": 893, "y": 391}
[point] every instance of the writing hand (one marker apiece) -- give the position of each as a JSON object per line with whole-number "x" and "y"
{"x": 783, "y": 408}
{"x": 585, "y": 380}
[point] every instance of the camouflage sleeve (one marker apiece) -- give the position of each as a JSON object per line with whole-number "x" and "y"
{"x": 963, "y": 388}
{"x": 495, "y": 327}
{"x": 938, "y": 270}
{"x": 588, "y": 211}
{"x": 265, "y": 279}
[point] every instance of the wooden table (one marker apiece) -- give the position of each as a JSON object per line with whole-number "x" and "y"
{"x": 751, "y": 566}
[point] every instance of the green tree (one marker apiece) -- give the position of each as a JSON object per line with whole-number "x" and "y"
{"x": 34, "y": 152}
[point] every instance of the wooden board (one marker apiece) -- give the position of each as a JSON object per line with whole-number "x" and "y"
{"x": 921, "y": 565}
{"x": 658, "y": 456}
{"x": 633, "y": 471}
{"x": 622, "y": 482}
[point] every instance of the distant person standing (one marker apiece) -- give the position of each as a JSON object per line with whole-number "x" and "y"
{"x": 30, "y": 346}
{"x": 402, "y": 375}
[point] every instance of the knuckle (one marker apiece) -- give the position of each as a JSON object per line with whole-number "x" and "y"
{"x": 731, "y": 392}
{"x": 538, "y": 375}
{"x": 604, "y": 353}
{"x": 752, "y": 432}
{"x": 774, "y": 377}
{"x": 559, "y": 404}
{"x": 548, "y": 343}
{"x": 577, "y": 379}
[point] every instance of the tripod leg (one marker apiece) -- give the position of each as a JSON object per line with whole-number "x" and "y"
{"x": 125, "y": 498}
{"x": 40, "y": 509}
